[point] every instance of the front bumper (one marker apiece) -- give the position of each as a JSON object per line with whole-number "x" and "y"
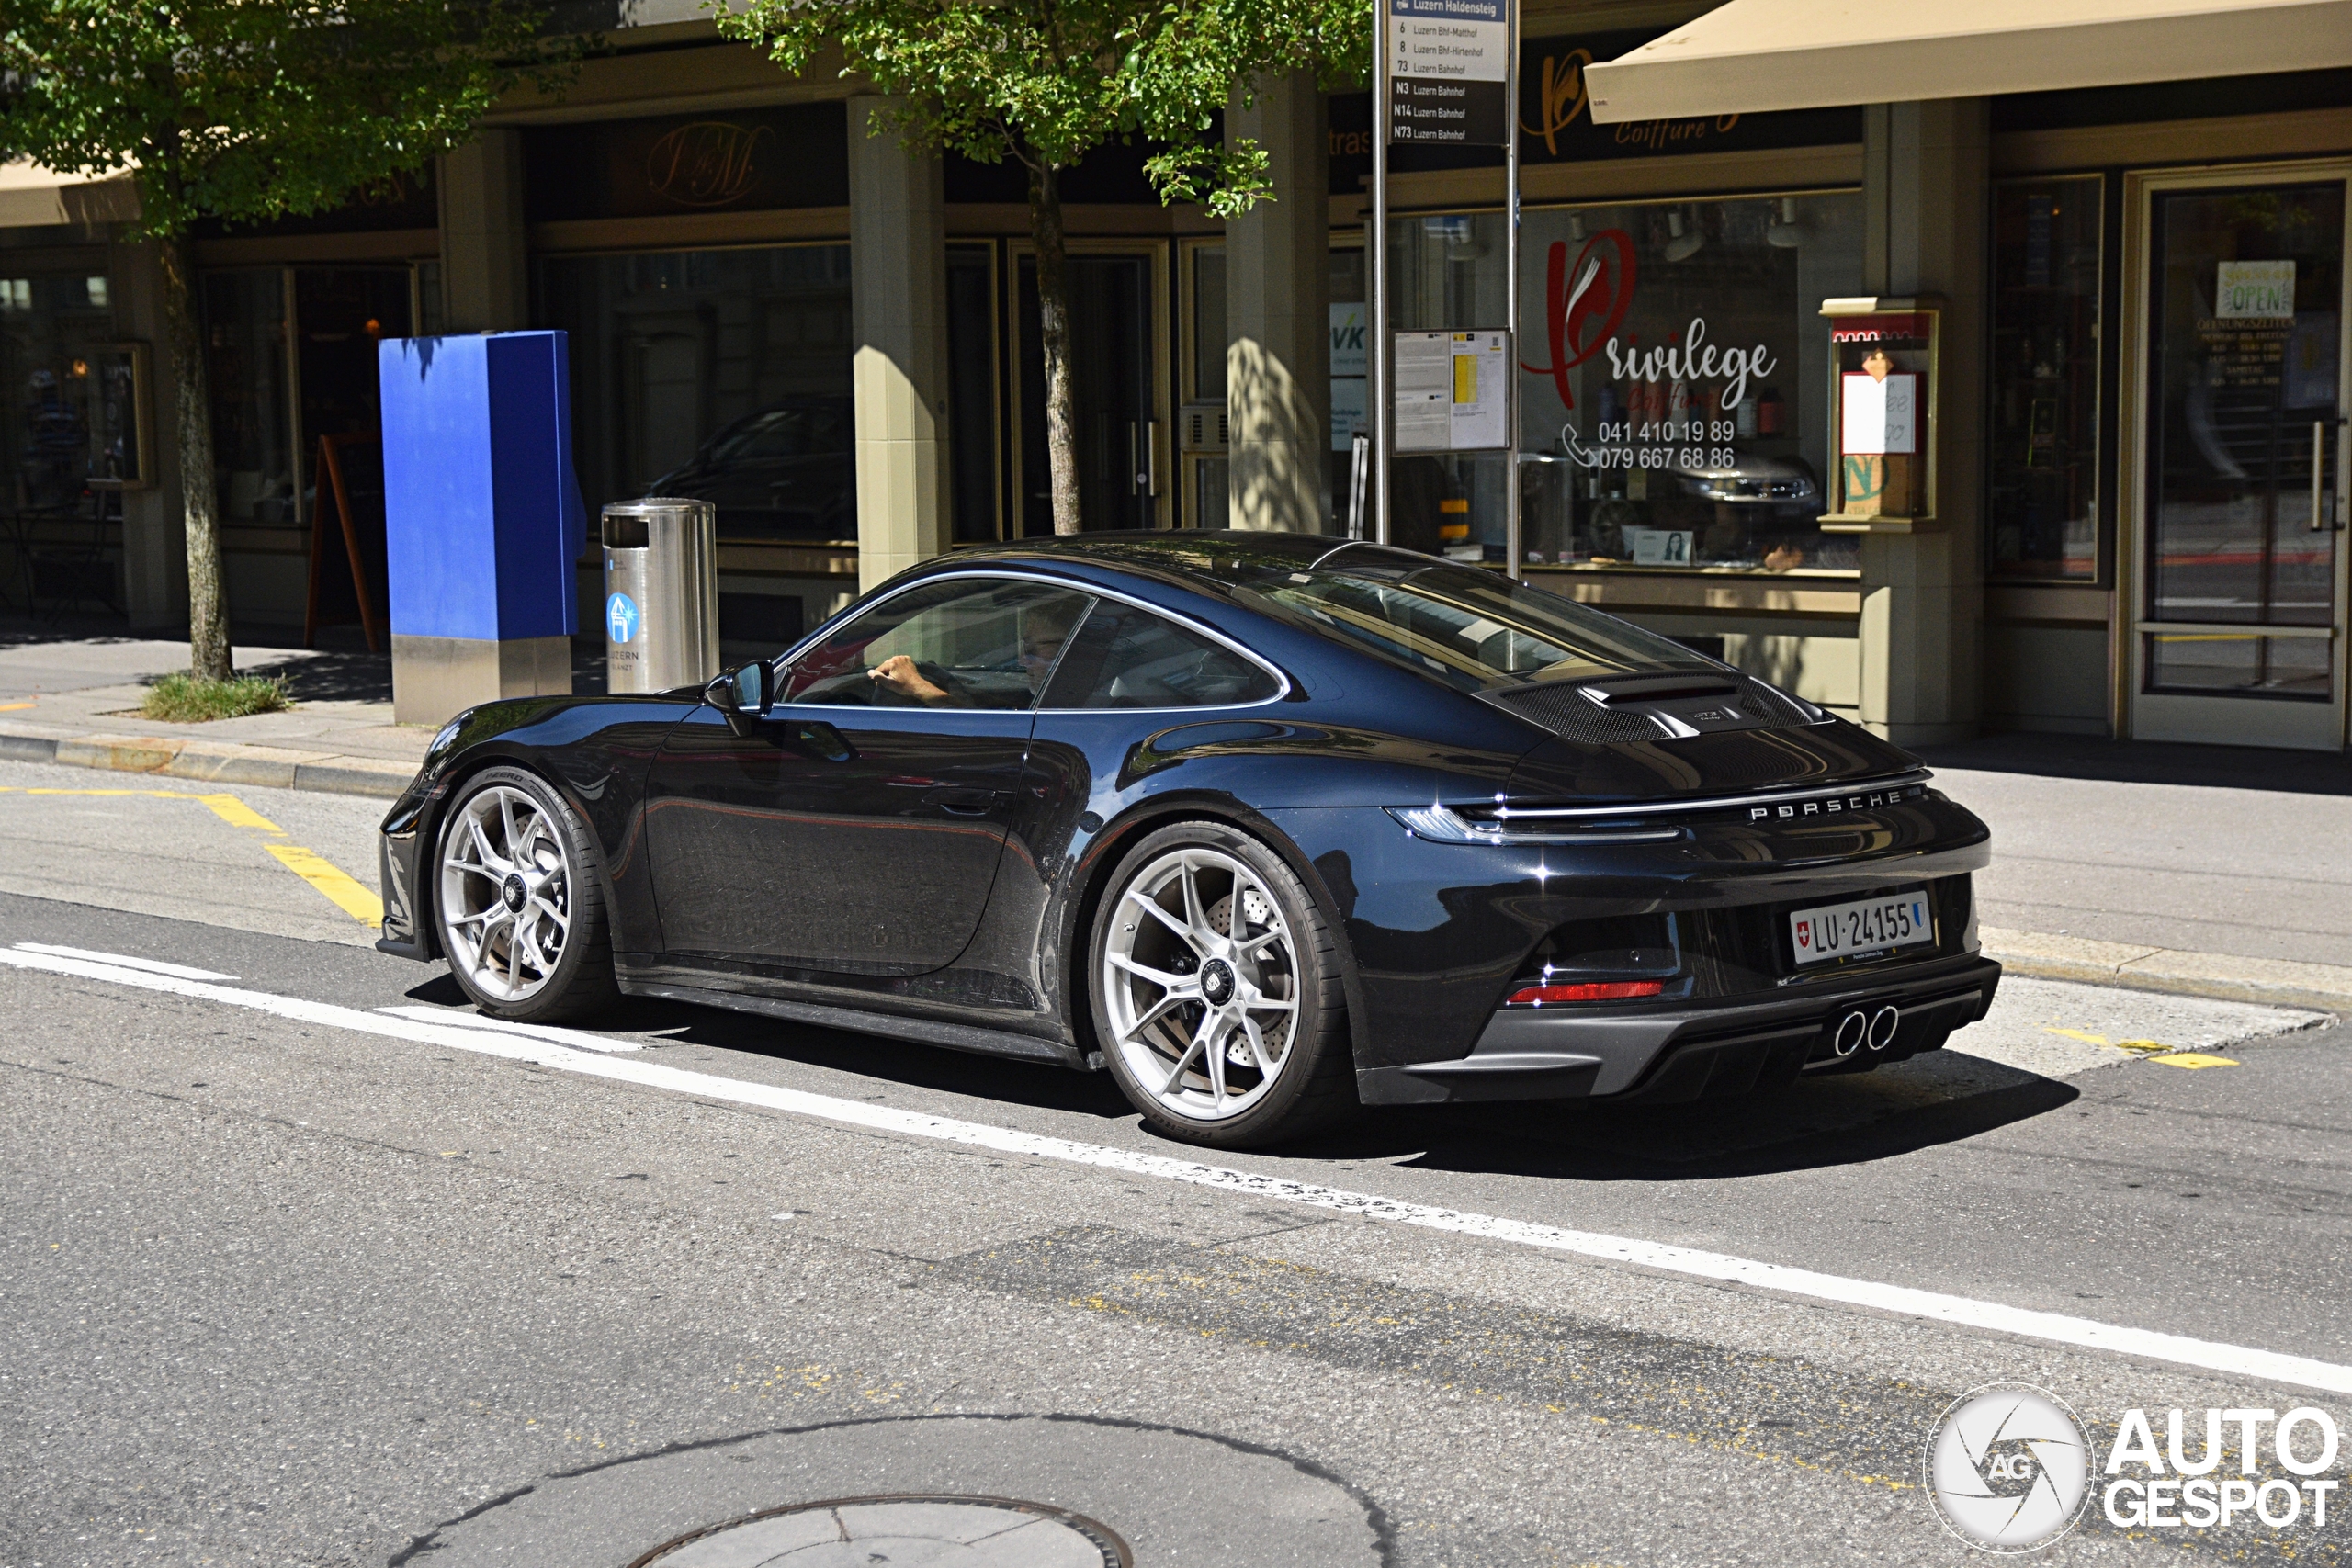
{"x": 1676, "y": 1055}
{"x": 405, "y": 936}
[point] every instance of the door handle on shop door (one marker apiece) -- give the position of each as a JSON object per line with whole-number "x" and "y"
{"x": 2323, "y": 496}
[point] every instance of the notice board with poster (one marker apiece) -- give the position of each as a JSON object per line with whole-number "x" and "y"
{"x": 1453, "y": 392}
{"x": 1883, "y": 365}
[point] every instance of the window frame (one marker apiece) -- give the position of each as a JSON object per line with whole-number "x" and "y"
{"x": 1283, "y": 682}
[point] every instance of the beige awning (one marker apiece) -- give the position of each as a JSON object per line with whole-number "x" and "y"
{"x": 1754, "y": 55}
{"x": 33, "y": 196}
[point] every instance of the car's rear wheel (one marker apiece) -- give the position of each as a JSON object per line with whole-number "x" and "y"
{"x": 521, "y": 900}
{"x": 1218, "y": 1001}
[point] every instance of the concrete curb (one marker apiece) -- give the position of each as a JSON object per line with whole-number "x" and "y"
{"x": 2223, "y": 977}
{"x": 210, "y": 762}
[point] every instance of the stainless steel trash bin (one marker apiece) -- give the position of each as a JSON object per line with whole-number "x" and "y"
{"x": 661, "y": 595}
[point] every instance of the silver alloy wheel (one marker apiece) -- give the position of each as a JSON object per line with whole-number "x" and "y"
{"x": 505, "y": 893}
{"x": 1200, "y": 983}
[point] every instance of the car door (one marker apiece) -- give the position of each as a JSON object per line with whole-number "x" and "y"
{"x": 855, "y": 827}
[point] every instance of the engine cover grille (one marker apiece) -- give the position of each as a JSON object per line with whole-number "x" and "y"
{"x": 1562, "y": 707}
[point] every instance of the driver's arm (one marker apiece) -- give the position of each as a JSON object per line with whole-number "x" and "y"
{"x": 898, "y": 673}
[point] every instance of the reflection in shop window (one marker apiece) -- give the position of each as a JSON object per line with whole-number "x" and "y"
{"x": 253, "y": 444}
{"x": 1674, "y": 410}
{"x": 2044, "y": 418}
{"x": 56, "y": 434}
{"x": 722, "y": 375}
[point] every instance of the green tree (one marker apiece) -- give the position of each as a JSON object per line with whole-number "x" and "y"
{"x": 247, "y": 111}
{"x": 1046, "y": 81}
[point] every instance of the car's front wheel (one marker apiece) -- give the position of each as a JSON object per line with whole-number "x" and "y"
{"x": 520, "y": 901}
{"x": 1218, "y": 1001}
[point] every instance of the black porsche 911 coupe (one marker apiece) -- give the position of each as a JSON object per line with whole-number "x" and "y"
{"x": 1269, "y": 826}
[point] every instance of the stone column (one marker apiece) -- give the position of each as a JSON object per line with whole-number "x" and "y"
{"x": 485, "y": 261}
{"x": 154, "y": 521}
{"x": 1924, "y": 200}
{"x": 1277, "y": 293}
{"x": 898, "y": 249}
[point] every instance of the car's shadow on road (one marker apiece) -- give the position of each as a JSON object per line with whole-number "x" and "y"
{"x": 1016, "y": 1082}
{"x": 1945, "y": 1097}
{"x": 1808, "y": 1126}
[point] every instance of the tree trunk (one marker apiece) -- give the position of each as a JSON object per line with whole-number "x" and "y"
{"x": 207, "y": 607}
{"x": 1052, "y": 329}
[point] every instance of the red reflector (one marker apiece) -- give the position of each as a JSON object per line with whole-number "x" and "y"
{"x": 1595, "y": 991}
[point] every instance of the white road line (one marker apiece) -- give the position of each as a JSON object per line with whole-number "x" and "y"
{"x": 2236, "y": 1360}
{"x": 178, "y": 970}
{"x": 548, "y": 1032}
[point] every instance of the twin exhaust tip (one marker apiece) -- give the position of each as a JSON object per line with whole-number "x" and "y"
{"x": 1875, "y": 1030}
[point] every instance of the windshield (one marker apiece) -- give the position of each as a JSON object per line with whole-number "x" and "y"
{"x": 1471, "y": 628}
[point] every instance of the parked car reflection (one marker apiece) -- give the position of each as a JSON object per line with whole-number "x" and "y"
{"x": 782, "y": 473}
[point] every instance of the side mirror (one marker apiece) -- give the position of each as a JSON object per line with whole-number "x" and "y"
{"x": 743, "y": 694}
{"x": 755, "y": 687}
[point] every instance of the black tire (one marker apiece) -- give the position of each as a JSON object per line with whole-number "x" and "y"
{"x": 578, "y": 982}
{"x": 1313, "y": 1084}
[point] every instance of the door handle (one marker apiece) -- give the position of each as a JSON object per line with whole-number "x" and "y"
{"x": 968, "y": 802}
{"x": 1151, "y": 456}
{"x": 2321, "y": 495}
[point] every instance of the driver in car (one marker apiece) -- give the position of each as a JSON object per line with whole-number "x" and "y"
{"x": 1044, "y": 630}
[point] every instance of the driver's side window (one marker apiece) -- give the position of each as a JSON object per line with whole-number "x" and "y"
{"x": 956, "y": 644}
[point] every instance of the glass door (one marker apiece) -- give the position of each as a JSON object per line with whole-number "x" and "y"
{"x": 1124, "y": 464}
{"x": 2239, "y": 557}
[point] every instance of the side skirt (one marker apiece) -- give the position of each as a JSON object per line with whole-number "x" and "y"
{"x": 922, "y": 1031}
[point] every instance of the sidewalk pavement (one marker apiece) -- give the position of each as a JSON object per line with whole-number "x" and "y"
{"x": 74, "y": 699}
{"x": 2209, "y": 871}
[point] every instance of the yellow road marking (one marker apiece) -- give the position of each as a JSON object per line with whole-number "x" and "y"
{"x": 354, "y": 899}
{"x": 2192, "y": 1059}
{"x": 2141, "y": 1047}
{"x": 237, "y": 814}
{"x": 16, "y": 707}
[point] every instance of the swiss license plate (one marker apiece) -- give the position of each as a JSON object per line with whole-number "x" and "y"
{"x": 1884, "y": 924}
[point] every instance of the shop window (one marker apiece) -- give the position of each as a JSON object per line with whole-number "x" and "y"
{"x": 722, "y": 375}
{"x": 1674, "y": 385}
{"x": 2043, "y": 422}
{"x": 56, "y": 433}
{"x": 270, "y": 406}
{"x": 253, "y": 416}
{"x": 971, "y": 356}
{"x": 1350, "y": 362}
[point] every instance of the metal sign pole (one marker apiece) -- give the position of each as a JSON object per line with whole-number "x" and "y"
{"x": 1517, "y": 567}
{"x": 1377, "y": 326}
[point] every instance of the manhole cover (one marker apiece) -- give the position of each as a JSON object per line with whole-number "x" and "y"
{"x": 903, "y": 1532}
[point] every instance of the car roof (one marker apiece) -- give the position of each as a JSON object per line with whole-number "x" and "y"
{"x": 1218, "y": 558}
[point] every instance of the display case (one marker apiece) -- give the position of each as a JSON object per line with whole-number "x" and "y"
{"x": 117, "y": 398}
{"x": 1883, "y": 372}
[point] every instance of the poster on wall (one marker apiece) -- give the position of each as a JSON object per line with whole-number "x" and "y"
{"x": 1453, "y": 392}
{"x": 1882, "y": 413}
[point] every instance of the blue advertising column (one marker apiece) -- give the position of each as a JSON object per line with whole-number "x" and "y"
{"x": 482, "y": 519}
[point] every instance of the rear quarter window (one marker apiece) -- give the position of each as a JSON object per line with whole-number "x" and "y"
{"x": 1128, "y": 657}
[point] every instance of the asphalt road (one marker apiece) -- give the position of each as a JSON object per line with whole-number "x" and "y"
{"x": 286, "y": 1279}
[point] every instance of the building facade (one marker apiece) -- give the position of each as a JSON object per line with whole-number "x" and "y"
{"x": 2137, "y": 525}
